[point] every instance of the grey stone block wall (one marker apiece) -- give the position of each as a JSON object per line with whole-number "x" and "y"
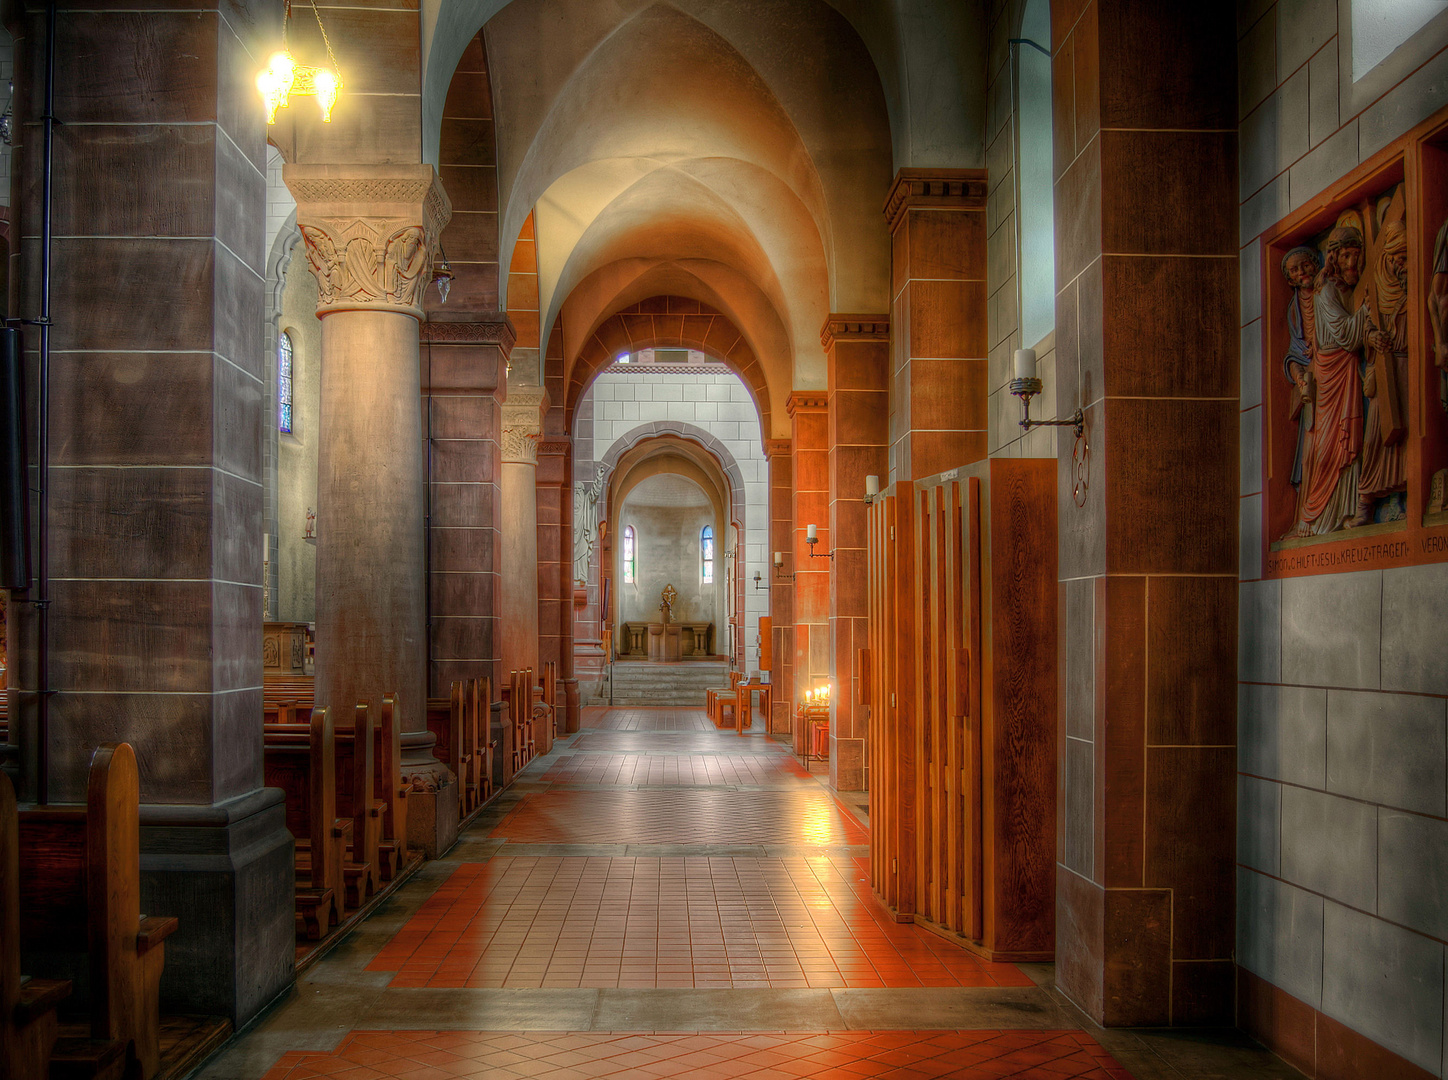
{"x": 1343, "y": 695}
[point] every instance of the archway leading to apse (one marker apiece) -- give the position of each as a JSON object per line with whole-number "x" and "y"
{"x": 664, "y": 322}
{"x": 630, "y": 458}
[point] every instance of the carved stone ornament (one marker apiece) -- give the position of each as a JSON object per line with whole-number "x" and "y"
{"x": 370, "y": 233}
{"x": 523, "y": 424}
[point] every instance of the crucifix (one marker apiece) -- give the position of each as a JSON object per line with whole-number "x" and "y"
{"x": 669, "y": 595}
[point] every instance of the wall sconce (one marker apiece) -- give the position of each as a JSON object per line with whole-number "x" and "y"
{"x": 872, "y": 489}
{"x": 757, "y": 586}
{"x": 779, "y": 574}
{"x": 812, "y": 537}
{"x": 283, "y": 76}
{"x": 1026, "y": 386}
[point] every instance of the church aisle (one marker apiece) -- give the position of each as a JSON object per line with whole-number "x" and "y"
{"x": 658, "y": 899}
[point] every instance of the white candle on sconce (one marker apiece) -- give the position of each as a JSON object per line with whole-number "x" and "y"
{"x": 266, "y": 547}
{"x": 779, "y": 558}
{"x": 1025, "y": 363}
{"x": 812, "y": 532}
{"x": 872, "y": 486}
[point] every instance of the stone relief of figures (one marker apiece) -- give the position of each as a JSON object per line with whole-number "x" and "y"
{"x": 586, "y": 497}
{"x": 1438, "y": 319}
{"x": 360, "y": 262}
{"x": 1347, "y": 366}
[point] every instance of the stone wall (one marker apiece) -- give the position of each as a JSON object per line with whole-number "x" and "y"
{"x": 1342, "y": 844}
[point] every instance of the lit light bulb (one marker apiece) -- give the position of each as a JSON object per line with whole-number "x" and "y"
{"x": 275, "y": 83}
{"x": 327, "y": 86}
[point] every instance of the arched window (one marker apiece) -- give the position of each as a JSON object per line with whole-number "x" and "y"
{"x": 284, "y": 383}
{"x": 630, "y": 556}
{"x": 706, "y": 554}
{"x": 1036, "y": 209}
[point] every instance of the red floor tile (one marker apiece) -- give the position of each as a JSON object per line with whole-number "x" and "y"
{"x": 973, "y": 1055}
{"x": 683, "y": 922}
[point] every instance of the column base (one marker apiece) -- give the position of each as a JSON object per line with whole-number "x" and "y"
{"x": 226, "y": 873}
{"x": 432, "y": 805}
{"x": 847, "y": 764}
{"x": 572, "y": 707}
{"x": 432, "y": 818}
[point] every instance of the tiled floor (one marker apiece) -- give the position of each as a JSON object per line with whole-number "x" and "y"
{"x": 846, "y": 1055}
{"x": 681, "y": 816}
{"x": 673, "y": 922}
{"x": 656, "y": 899}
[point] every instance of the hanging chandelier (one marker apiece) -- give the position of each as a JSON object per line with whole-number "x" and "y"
{"x": 283, "y": 76}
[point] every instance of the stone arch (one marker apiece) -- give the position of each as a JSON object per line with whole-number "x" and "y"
{"x": 663, "y": 429}
{"x": 670, "y": 322}
{"x": 665, "y": 432}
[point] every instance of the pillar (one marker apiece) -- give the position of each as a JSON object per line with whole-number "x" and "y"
{"x": 1146, "y": 214}
{"x": 555, "y": 561}
{"x": 809, "y": 419}
{"x": 857, "y": 350}
{"x": 522, "y": 431}
{"x": 155, "y": 487}
{"x": 781, "y": 583}
{"x": 369, "y": 231}
{"x": 464, "y": 371}
{"x": 939, "y": 399}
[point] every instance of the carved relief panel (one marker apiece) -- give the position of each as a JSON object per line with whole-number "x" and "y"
{"x": 1355, "y": 424}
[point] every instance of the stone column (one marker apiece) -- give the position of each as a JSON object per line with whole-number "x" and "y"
{"x": 939, "y": 404}
{"x": 1146, "y": 213}
{"x": 781, "y": 589}
{"x": 858, "y": 352}
{"x": 522, "y": 431}
{"x": 155, "y": 487}
{"x": 808, "y": 413}
{"x": 369, "y": 232}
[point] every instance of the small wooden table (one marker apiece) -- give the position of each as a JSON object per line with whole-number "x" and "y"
{"x": 813, "y": 716}
{"x": 744, "y": 703}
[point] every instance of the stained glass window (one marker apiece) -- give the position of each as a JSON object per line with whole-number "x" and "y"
{"x": 630, "y": 556}
{"x": 284, "y": 383}
{"x": 706, "y": 553}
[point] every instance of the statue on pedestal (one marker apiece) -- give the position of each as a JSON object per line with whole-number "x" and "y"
{"x": 669, "y": 595}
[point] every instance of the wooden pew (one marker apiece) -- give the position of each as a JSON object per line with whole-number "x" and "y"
{"x": 550, "y": 697}
{"x": 391, "y": 789}
{"x": 276, "y": 686}
{"x": 28, "y": 1027}
{"x": 81, "y": 892}
{"x": 487, "y": 745}
{"x": 302, "y": 762}
{"x": 466, "y": 723}
{"x": 444, "y": 720}
{"x": 356, "y": 799}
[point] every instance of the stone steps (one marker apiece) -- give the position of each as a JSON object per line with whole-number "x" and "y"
{"x": 682, "y": 684}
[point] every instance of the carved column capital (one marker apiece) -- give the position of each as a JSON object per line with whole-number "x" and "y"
{"x": 523, "y": 424}
{"x": 370, "y": 232}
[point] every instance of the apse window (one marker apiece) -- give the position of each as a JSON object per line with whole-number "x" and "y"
{"x": 284, "y": 383}
{"x": 630, "y": 556}
{"x": 706, "y": 554}
{"x": 1380, "y": 26}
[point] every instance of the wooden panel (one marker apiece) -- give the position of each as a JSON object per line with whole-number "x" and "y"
{"x": 962, "y": 609}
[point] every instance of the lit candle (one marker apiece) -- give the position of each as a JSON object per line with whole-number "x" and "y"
{"x": 812, "y": 532}
{"x": 872, "y": 486}
{"x": 1025, "y": 363}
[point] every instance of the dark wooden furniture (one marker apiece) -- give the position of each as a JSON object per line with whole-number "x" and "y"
{"x": 390, "y": 788}
{"x": 81, "y": 892}
{"x": 28, "y": 1026}
{"x": 962, "y": 683}
{"x": 302, "y": 762}
{"x": 716, "y": 700}
{"x": 744, "y": 703}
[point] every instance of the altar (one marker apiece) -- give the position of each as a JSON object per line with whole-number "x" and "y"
{"x": 666, "y": 640}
